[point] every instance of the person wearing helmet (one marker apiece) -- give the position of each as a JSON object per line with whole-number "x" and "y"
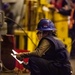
{"x": 50, "y": 57}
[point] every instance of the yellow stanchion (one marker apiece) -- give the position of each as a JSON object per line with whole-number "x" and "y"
{"x": 21, "y": 42}
{"x": 21, "y": 39}
{"x": 30, "y": 45}
{"x": 30, "y": 41}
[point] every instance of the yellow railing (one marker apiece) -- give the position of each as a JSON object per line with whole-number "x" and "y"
{"x": 28, "y": 43}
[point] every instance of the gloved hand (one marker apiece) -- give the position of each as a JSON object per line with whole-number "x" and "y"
{"x": 19, "y": 56}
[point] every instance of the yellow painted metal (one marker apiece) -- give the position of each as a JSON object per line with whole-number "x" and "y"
{"x": 50, "y": 15}
{"x": 32, "y": 18}
{"x": 62, "y": 29}
{"x": 61, "y": 24}
{"x": 43, "y": 2}
{"x": 30, "y": 45}
{"x": 21, "y": 39}
{"x": 25, "y": 20}
{"x": 47, "y": 14}
{"x": 31, "y": 36}
{"x": 59, "y": 17}
{"x": 21, "y": 42}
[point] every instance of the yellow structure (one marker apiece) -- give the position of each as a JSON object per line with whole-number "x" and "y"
{"x": 29, "y": 43}
{"x": 61, "y": 23}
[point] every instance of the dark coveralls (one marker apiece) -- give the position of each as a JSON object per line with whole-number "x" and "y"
{"x": 54, "y": 60}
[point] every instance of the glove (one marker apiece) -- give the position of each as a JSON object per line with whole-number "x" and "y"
{"x": 22, "y": 55}
{"x": 19, "y": 56}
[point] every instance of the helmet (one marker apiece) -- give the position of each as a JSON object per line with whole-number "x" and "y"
{"x": 45, "y": 25}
